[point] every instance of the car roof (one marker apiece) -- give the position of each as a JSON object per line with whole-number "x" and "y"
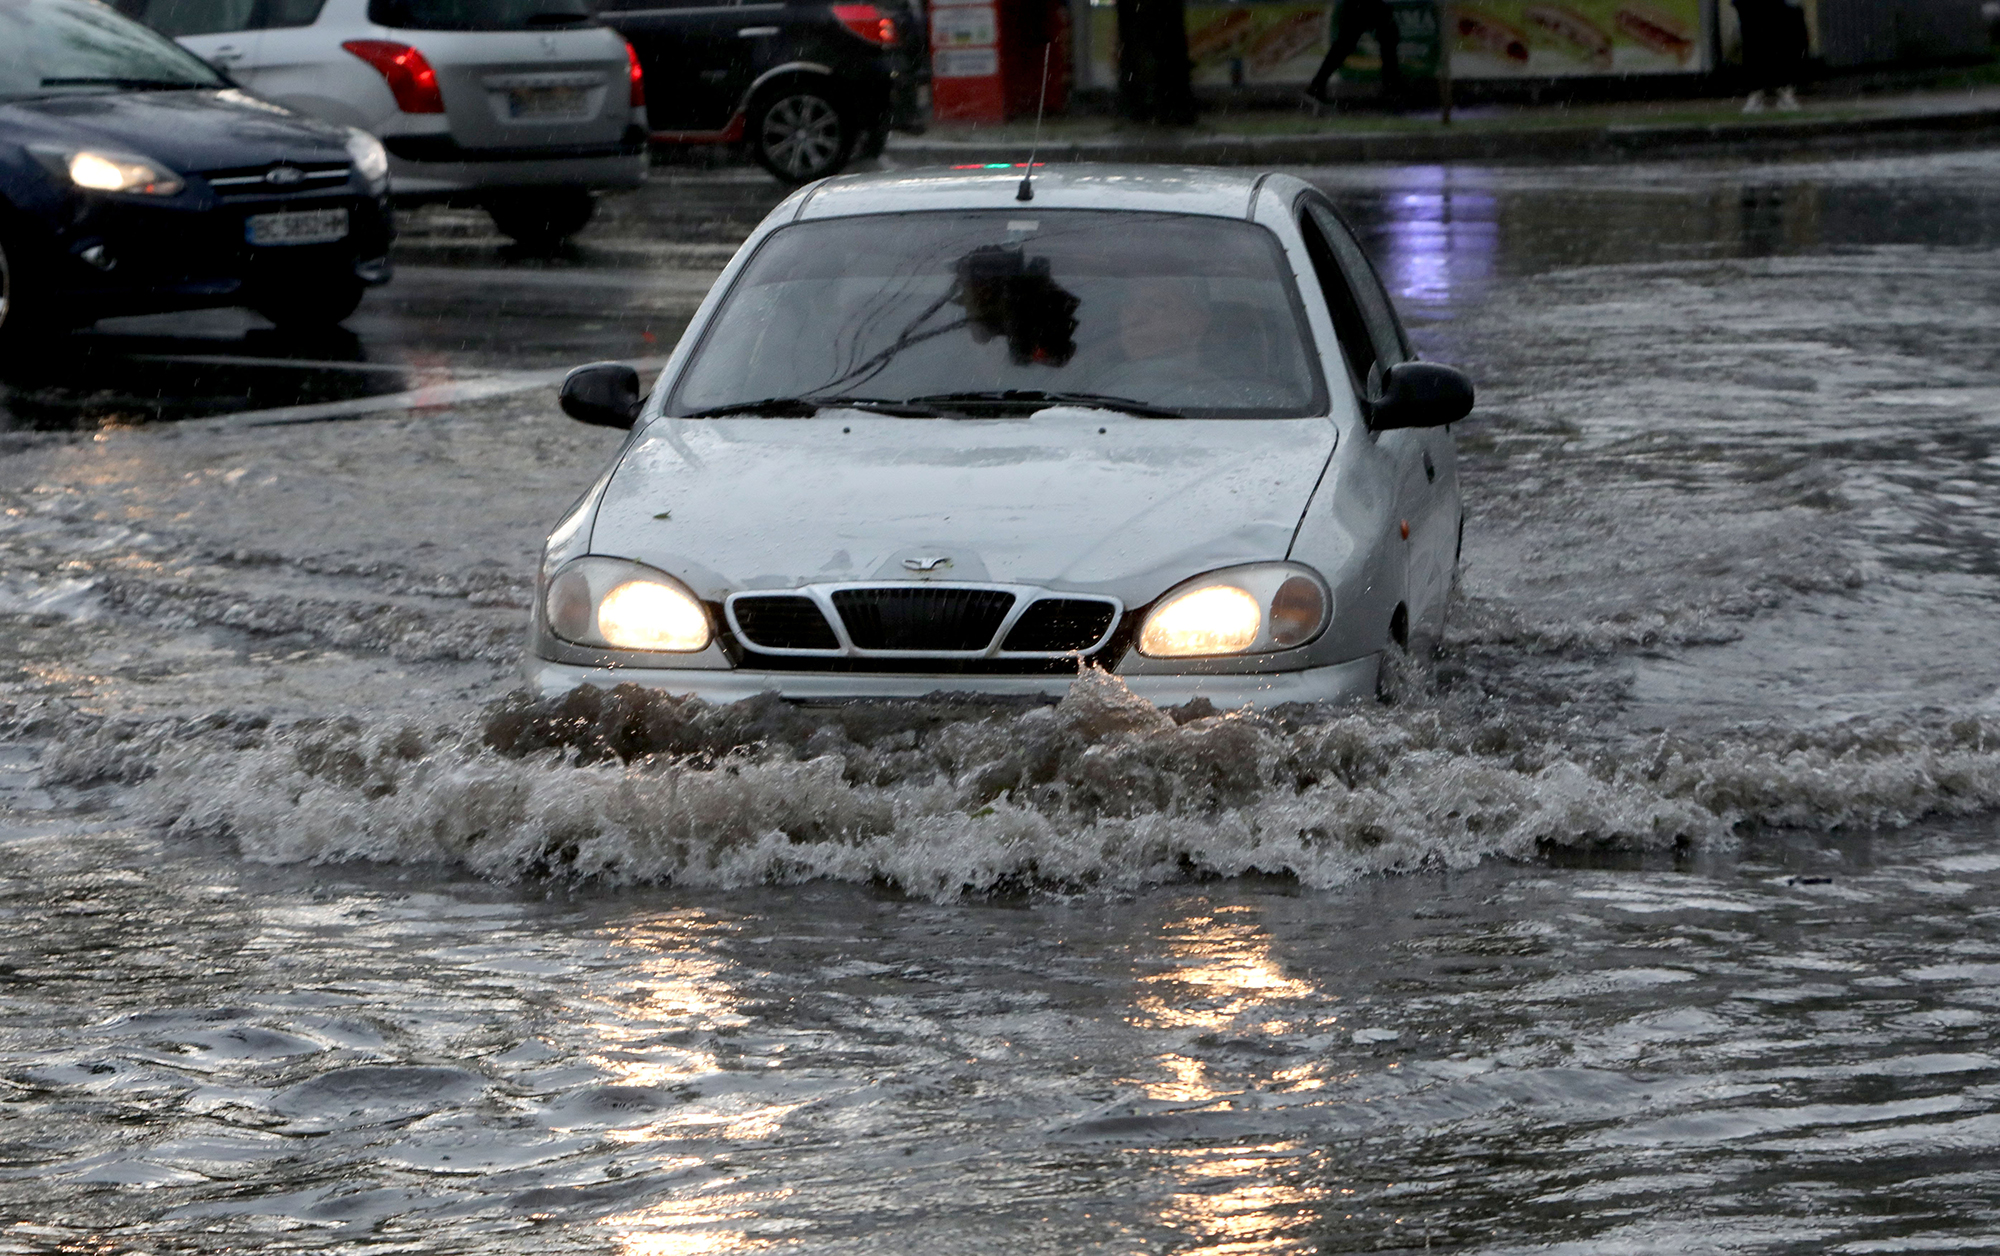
{"x": 1166, "y": 189}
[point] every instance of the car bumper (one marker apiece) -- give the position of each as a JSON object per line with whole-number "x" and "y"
{"x": 421, "y": 180}
{"x": 1342, "y": 682}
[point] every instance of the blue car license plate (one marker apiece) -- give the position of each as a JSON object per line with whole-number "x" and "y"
{"x": 303, "y": 226}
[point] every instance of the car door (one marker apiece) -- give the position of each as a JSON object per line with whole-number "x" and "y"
{"x": 1417, "y": 460}
{"x": 696, "y": 54}
{"x": 301, "y": 64}
{"x": 221, "y": 32}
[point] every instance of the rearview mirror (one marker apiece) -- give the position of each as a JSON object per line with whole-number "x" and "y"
{"x": 1420, "y": 394}
{"x": 603, "y": 393}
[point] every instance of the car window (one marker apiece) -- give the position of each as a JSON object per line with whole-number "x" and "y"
{"x": 621, "y": 6}
{"x": 1350, "y": 326}
{"x": 477, "y": 15}
{"x": 59, "y": 46}
{"x": 1385, "y": 330}
{"x": 280, "y": 14}
{"x": 1193, "y": 315}
{"x": 175, "y": 18}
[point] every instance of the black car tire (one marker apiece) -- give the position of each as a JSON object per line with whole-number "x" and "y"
{"x": 25, "y": 318}
{"x": 799, "y": 133}
{"x": 309, "y": 304}
{"x": 542, "y": 219}
{"x": 872, "y": 142}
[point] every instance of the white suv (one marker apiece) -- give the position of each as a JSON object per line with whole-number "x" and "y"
{"x": 523, "y": 106}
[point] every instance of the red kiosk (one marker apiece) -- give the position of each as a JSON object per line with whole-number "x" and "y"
{"x": 987, "y": 57}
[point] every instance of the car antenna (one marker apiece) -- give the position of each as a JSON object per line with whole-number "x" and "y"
{"x": 1026, "y": 192}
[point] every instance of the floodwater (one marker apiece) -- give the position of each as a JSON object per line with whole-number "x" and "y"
{"x": 1657, "y": 916}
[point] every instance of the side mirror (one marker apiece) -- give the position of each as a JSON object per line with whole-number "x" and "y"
{"x": 1420, "y": 394}
{"x": 603, "y": 393}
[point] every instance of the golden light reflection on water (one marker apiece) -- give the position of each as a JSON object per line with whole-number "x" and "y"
{"x": 1224, "y": 976}
{"x": 1230, "y": 1206}
{"x": 673, "y": 990}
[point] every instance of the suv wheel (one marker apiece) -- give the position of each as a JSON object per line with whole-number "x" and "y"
{"x": 542, "y": 219}
{"x": 799, "y": 135}
{"x": 310, "y": 303}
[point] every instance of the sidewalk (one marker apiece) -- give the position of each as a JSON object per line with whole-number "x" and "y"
{"x": 1966, "y": 116}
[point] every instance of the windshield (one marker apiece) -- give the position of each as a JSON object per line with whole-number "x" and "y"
{"x": 1173, "y": 313}
{"x": 78, "y": 45}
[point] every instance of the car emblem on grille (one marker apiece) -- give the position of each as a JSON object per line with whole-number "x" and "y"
{"x": 927, "y": 563}
{"x": 549, "y": 44}
{"x": 284, "y": 176}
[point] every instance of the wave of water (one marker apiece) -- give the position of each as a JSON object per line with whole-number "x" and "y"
{"x": 943, "y": 798}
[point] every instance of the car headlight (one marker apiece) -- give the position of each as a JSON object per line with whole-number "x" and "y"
{"x": 100, "y": 170}
{"x": 371, "y": 160}
{"x": 1240, "y": 610}
{"x": 621, "y": 605}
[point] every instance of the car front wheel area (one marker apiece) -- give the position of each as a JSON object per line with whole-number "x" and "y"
{"x": 799, "y": 133}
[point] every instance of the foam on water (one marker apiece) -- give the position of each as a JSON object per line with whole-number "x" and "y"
{"x": 943, "y": 798}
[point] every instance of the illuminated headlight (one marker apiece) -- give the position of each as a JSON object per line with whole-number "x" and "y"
{"x": 1239, "y": 610}
{"x": 621, "y": 605}
{"x": 121, "y": 172}
{"x": 371, "y": 160}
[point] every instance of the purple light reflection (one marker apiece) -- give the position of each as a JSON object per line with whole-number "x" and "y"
{"x": 1439, "y": 236}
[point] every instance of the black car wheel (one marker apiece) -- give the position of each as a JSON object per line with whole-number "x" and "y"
{"x": 308, "y": 304}
{"x": 26, "y": 318}
{"x": 542, "y": 219}
{"x": 799, "y": 135}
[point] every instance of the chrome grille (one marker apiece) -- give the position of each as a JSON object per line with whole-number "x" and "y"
{"x": 922, "y": 624}
{"x": 257, "y": 180}
{"x": 923, "y": 619}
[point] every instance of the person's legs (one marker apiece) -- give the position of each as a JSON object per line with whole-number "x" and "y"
{"x": 1348, "y": 24}
{"x": 1391, "y": 39}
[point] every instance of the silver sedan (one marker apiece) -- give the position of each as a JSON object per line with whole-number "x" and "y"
{"x": 927, "y": 435}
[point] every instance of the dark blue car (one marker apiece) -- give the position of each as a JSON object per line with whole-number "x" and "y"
{"x": 135, "y": 179}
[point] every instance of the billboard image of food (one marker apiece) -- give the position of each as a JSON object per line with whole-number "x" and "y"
{"x": 1243, "y": 42}
{"x": 1546, "y": 38}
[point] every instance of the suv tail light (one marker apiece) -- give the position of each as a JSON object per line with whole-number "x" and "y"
{"x": 868, "y": 22}
{"x": 638, "y": 77}
{"x": 411, "y": 80}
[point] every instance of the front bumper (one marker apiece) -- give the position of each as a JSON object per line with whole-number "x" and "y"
{"x": 1342, "y": 682}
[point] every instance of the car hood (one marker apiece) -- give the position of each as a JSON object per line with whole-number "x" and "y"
{"x": 194, "y": 130}
{"x": 1069, "y": 499}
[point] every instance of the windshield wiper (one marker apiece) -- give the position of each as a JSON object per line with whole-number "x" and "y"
{"x": 1031, "y": 399}
{"x": 130, "y": 84}
{"x": 808, "y": 406}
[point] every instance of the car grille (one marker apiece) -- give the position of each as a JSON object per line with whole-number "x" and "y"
{"x": 921, "y": 626}
{"x": 783, "y": 622}
{"x": 1057, "y": 624}
{"x": 257, "y": 181}
{"x": 923, "y": 620}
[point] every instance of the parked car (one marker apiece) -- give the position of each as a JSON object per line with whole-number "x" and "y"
{"x": 136, "y": 180}
{"x": 803, "y": 86}
{"x": 524, "y": 107}
{"x": 924, "y": 436}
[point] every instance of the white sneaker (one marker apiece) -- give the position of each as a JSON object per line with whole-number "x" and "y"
{"x": 1788, "y": 99}
{"x": 1755, "y": 104}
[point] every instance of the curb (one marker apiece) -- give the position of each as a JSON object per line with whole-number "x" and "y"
{"x": 1570, "y": 144}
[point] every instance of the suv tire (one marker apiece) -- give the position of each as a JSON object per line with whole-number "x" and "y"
{"x": 307, "y": 304}
{"x": 542, "y": 219}
{"x": 799, "y": 133}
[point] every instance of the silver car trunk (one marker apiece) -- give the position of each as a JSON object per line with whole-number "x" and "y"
{"x": 529, "y": 89}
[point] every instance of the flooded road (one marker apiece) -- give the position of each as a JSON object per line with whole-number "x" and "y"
{"x": 1658, "y": 916}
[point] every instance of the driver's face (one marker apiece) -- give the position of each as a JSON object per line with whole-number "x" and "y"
{"x": 1160, "y": 316}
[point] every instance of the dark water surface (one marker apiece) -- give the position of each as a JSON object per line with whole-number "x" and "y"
{"x": 1658, "y": 916}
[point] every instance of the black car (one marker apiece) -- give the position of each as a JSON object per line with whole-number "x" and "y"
{"x": 803, "y": 86}
{"x": 134, "y": 180}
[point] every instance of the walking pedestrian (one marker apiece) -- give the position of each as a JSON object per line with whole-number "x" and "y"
{"x": 1774, "y": 50}
{"x": 1353, "y": 19}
